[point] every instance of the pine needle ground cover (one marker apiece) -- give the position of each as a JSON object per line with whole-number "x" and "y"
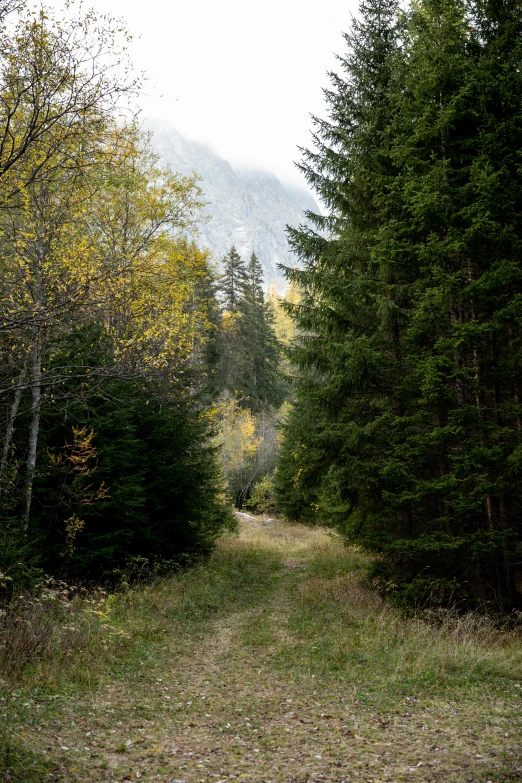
{"x": 274, "y": 662}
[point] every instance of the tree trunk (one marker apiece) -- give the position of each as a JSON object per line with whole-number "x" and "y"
{"x": 8, "y": 436}
{"x": 36, "y": 394}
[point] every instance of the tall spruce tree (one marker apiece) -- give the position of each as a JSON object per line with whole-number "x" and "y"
{"x": 410, "y": 366}
{"x": 246, "y": 347}
{"x": 344, "y": 316}
{"x": 260, "y": 381}
{"x": 232, "y": 280}
{"x": 456, "y": 452}
{"x": 226, "y": 351}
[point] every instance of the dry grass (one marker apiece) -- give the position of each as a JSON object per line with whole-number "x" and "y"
{"x": 54, "y": 628}
{"x": 275, "y": 662}
{"x": 362, "y": 638}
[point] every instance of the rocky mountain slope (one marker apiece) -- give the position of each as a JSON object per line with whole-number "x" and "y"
{"x": 247, "y": 208}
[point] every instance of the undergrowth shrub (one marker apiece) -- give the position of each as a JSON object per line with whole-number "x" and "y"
{"x": 54, "y": 627}
{"x": 262, "y": 500}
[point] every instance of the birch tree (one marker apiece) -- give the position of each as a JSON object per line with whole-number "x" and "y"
{"x": 59, "y": 82}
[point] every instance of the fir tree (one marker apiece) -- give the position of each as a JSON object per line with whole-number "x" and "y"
{"x": 246, "y": 347}
{"x": 408, "y": 395}
{"x": 454, "y": 454}
{"x": 343, "y": 353}
{"x": 224, "y": 347}
{"x": 232, "y": 280}
{"x": 252, "y": 287}
{"x": 155, "y": 461}
{"x": 260, "y": 383}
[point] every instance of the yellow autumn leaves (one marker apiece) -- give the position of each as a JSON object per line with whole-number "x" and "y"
{"x": 98, "y": 276}
{"x": 106, "y": 244}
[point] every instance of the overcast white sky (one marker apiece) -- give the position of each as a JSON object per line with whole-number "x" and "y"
{"x": 242, "y": 75}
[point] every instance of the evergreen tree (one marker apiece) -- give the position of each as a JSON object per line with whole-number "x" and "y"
{"x": 409, "y": 395}
{"x": 252, "y": 288}
{"x": 224, "y": 348}
{"x": 342, "y": 354}
{"x": 246, "y": 347}
{"x": 232, "y": 280}
{"x": 454, "y": 454}
{"x": 260, "y": 383}
{"x": 159, "y": 480}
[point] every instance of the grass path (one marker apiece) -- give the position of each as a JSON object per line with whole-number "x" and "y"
{"x": 275, "y": 663}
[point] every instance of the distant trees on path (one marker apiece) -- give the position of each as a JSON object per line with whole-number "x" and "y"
{"x": 245, "y": 374}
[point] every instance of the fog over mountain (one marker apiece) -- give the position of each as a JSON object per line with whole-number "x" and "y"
{"x": 247, "y": 208}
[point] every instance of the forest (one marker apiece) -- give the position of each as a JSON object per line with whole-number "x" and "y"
{"x": 145, "y": 389}
{"x": 129, "y": 362}
{"x": 194, "y": 468}
{"x": 405, "y": 431}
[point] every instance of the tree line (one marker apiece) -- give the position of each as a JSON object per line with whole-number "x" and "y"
{"x": 405, "y": 433}
{"x": 106, "y": 310}
{"x": 245, "y": 374}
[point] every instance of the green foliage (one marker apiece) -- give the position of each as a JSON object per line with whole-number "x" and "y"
{"x": 125, "y": 469}
{"x": 232, "y": 280}
{"x": 19, "y": 765}
{"x": 262, "y": 500}
{"x": 406, "y": 432}
{"x": 247, "y": 446}
{"x": 259, "y": 380}
{"x": 247, "y": 353}
{"x": 298, "y": 467}
{"x": 161, "y": 477}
